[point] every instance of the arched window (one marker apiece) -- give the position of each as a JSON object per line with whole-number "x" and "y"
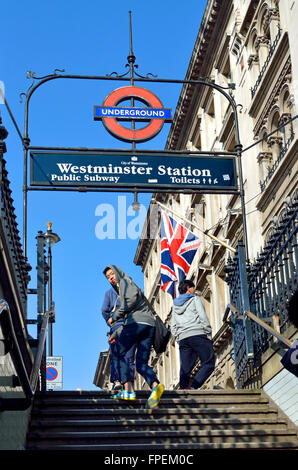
{"x": 265, "y": 156}
{"x": 275, "y": 141}
{"x": 265, "y": 22}
{"x": 253, "y": 58}
{"x": 285, "y": 107}
{"x": 264, "y": 39}
{"x": 270, "y": 232}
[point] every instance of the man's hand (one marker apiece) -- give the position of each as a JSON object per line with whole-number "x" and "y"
{"x": 110, "y": 321}
{"x": 112, "y": 340}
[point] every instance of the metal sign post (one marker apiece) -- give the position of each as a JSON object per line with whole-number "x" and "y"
{"x": 27, "y": 147}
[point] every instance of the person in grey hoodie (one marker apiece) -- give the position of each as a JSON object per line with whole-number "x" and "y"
{"x": 191, "y": 328}
{"x": 138, "y": 329}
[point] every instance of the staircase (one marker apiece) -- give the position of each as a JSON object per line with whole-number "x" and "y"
{"x": 215, "y": 419}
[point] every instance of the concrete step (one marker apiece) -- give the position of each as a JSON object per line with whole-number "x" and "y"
{"x": 245, "y": 436}
{"x": 142, "y": 413}
{"x": 105, "y": 425}
{"x": 143, "y": 395}
{"x": 175, "y": 413}
{"x": 155, "y": 447}
{"x": 165, "y": 402}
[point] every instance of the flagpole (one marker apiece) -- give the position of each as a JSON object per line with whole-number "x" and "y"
{"x": 197, "y": 227}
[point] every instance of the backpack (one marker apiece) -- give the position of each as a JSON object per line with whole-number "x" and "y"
{"x": 161, "y": 336}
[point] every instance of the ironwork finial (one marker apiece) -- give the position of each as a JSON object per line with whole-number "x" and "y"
{"x": 131, "y": 57}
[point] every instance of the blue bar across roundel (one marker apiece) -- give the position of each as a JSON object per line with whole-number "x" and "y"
{"x": 132, "y": 113}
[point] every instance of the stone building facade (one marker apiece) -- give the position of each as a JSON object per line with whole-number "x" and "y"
{"x": 253, "y": 45}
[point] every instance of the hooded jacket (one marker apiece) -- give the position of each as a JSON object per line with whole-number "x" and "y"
{"x": 110, "y": 298}
{"x": 189, "y": 317}
{"x": 134, "y": 306}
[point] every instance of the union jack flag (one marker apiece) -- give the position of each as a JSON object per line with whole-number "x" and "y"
{"x": 178, "y": 248}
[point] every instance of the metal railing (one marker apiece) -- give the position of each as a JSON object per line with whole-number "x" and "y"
{"x": 28, "y": 381}
{"x": 260, "y": 292}
{"x": 273, "y": 331}
{"x": 11, "y": 238}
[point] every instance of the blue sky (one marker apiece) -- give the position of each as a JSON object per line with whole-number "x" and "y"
{"x": 85, "y": 38}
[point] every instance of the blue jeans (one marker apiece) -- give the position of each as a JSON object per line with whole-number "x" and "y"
{"x": 129, "y": 359}
{"x": 191, "y": 349}
{"x": 141, "y": 336}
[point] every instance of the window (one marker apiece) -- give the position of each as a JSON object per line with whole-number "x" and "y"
{"x": 275, "y": 141}
{"x": 264, "y": 38}
{"x": 264, "y": 157}
{"x": 253, "y": 58}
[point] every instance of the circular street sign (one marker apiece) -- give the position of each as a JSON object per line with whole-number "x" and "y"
{"x": 133, "y": 135}
{"x": 51, "y": 373}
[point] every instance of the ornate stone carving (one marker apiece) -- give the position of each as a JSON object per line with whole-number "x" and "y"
{"x": 284, "y": 118}
{"x": 264, "y": 157}
{"x": 253, "y": 59}
{"x": 274, "y": 140}
{"x": 262, "y": 41}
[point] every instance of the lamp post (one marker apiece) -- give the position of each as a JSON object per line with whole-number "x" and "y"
{"x": 136, "y": 205}
{"x": 50, "y": 239}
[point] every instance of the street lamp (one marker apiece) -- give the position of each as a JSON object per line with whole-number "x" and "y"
{"x": 136, "y": 205}
{"x": 50, "y": 239}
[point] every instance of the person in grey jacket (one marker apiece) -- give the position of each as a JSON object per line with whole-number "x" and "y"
{"x": 191, "y": 328}
{"x": 138, "y": 329}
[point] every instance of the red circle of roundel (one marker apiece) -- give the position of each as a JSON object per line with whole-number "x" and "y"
{"x": 133, "y": 135}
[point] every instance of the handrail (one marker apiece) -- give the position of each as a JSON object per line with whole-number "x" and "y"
{"x": 28, "y": 384}
{"x": 40, "y": 350}
{"x": 259, "y": 321}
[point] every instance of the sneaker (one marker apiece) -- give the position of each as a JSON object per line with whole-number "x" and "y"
{"x": 117, "y": 385}
{"x": 125, "y": 395}
{"x": 129, "y": 395}
{"x": 155, "y": 396}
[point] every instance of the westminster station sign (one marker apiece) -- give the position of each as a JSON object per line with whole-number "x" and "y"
{"x": 134, "y": 170}
{"x": 138, "y": 170}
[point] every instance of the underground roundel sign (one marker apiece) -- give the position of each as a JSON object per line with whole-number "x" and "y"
{"x": 114, "y": 116}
